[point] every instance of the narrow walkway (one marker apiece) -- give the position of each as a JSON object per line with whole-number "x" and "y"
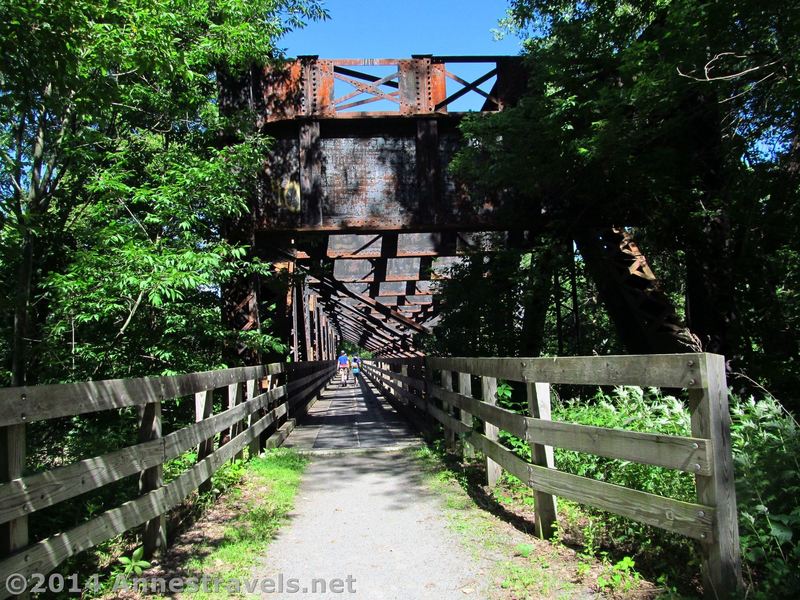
{"x": 371, "y": 518}
{"x": 351, "y": 417}
{"x": 365, "y": 514}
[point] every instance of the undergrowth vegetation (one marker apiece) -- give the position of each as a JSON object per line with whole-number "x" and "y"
{"x": 766, "y": 444}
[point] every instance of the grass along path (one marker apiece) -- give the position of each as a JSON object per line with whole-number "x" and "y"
{"x": 525, "y": 567}
{"x": 235, "y": 532}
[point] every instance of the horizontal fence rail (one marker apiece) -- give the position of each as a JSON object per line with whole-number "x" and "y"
{"x": 711, "y": 520}
{"x": 261, "y": 401}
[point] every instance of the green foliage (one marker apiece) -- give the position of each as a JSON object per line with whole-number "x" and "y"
{"x": 491, "y": 305}
{"x": 352, "y": 349}
{"x": 524, "y": 550}
{"x": 679, "y": 117}
{"x": 134, "y": 565}
{"x": 766, "y": 444}
{"x": 619, "y": 577}
{"x": 267, "y": 496}
{"x": 120, "y": 172}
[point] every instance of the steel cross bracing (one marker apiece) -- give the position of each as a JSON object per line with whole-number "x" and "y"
{"x": 357, "y": 201}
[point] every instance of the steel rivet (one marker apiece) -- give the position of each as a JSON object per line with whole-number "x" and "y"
{"x": 692, "y": 382}
{"x": 690, "y": 363}
{"x": 24, "y": 397}
{"x": 695, "y": 446}
{"x": 703, "y": 536}
{"x": 696, "y": 467}
{"x": 701, "y": 513}
{"x": 24, "y": 417}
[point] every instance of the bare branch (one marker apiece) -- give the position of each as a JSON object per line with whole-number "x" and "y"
{"x": 132, "y": 312}
{"x": 709, "y": 66}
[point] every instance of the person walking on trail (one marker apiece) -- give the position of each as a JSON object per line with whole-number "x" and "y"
{"x": 356, "y": 368}
{"x": 344, "y": 367}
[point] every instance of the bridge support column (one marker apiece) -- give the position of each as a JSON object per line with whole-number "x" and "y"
{"x": 544, "y": 504}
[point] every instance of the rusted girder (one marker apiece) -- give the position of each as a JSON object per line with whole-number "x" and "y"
{"x": 307, "y": 86}
{"x": 396, "y": 269}
{"x": 369, "y": 245}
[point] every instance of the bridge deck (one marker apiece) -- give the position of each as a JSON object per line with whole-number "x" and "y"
{"x": 348, "y": 418}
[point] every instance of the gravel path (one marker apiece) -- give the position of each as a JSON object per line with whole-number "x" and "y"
{"x": 371, "y": 517}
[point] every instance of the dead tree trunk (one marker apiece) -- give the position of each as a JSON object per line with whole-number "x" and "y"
{"x": 642, "y": 313}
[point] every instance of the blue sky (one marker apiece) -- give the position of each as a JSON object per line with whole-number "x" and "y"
{"x": 400, "y": 28}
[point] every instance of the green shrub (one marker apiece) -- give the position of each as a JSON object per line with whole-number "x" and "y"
{"x": 766, "y": 445}
{"x": 633, "y": 409}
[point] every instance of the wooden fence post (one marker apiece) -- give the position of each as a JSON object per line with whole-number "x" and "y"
{"x": 465, "y": 389}
{"x": 426, "y": 375}
{"x": 154, "y": 537}
{"x": 404, "y": 386}
{"x": 544, "y": 504}
{"x": 203, "y": 406}
{"x": 14, "y": 533}
{"x": 234, "y": 399}
{"x": 449, "y": 434}
{"x": 489, "y": 395}
{"x": 262, "y": 441}
{"x": 722, "y": 566}
{"x": 250, "y": 390}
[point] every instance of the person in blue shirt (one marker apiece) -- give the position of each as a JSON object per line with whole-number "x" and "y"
{"x": 344, "y": 367}
{"x": 356, "y": 362}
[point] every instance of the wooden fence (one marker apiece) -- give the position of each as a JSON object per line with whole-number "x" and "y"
{"x": 259, "y": 399}
{"x": 428, "y": 385}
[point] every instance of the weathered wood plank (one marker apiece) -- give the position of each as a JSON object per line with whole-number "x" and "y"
{"x": 250, "y": 392}
{"x": 465, "y": 389}
{"x": 691, "y": 520}
{"x": 235, "y": 397}
{"x": 402, "y": 361}
{"x": 449, "y": 432}
{"x": 401, "y": 393}
{"x": 36, "y": 403}
{"x": 504, "y": 419}
{"x": 46, "y": 555}
{"x": 26, "y": 495}
{"x": 410, "y": 381}
{"x": 657, "y": 370}
{"x": 722, "y": 565}
{"x": 673, "y": 452}
{"x": 13, "y": 533}
{"x": 154, "y": 537}
{"x": 544, "y": 504}
{"x": 489, "y": 395}
{"x": 303, "y": 395}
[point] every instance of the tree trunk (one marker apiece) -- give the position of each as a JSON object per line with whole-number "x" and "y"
{"x": 540, "y": 281}
{"x": 642, "y": 313}
{"x": 709, "y": 252}
{"x": 21, "y": 309}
